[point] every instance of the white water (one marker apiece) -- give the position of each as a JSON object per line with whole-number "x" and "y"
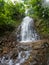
{"x": 22, "y": 57}
{"x": 28, "y": 33}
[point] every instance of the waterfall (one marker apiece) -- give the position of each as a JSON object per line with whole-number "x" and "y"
{"x": 28, "y": 32}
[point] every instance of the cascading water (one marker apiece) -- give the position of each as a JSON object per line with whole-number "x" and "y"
{"x": 21, "y": 59}
{"x": 28, "y": 33}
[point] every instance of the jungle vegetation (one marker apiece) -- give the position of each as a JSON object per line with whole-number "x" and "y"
{"x": 12, "y": 13}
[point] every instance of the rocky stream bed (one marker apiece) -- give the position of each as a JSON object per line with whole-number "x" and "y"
{"x": 14, "y": 53}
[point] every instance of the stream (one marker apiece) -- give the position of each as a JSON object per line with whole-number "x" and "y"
{"x": 23, "y": 55}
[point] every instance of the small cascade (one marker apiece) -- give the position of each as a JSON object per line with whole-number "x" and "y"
{"x": 22, "y": 57}
{"x": 28, "y": 32}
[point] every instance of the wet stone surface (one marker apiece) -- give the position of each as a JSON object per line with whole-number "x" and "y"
{"x": 14, "y": 56}
{"x": 13, "y": 53}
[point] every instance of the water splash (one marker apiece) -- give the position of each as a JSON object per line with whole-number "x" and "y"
{"x": 22, "y": 57}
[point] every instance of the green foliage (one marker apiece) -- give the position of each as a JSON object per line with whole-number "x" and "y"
{"x": 18, "y": 11}
{"x": 40, "y": 12}
{"x": 10, "y": 14}
{"x": 41, "y": 15}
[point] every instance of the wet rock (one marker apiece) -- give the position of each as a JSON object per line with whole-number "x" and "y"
{"x": 35, "y": 63}
{"x": 5, "y": 50}
{"x": 14, "y": 54}
{"x": 21, "y": 48}
{"x": 0, "y": 41}
{"x": 3, "y": 44}
{"x": 6, "y": 56}
{"x": 45, "y": 45}
{"x": 36, "y": 47}
{"x": 9, "y": 44}
{"x": 23, "y": 55}
{"x": 24, "y": 47}
{"x": 1, "y": 50}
